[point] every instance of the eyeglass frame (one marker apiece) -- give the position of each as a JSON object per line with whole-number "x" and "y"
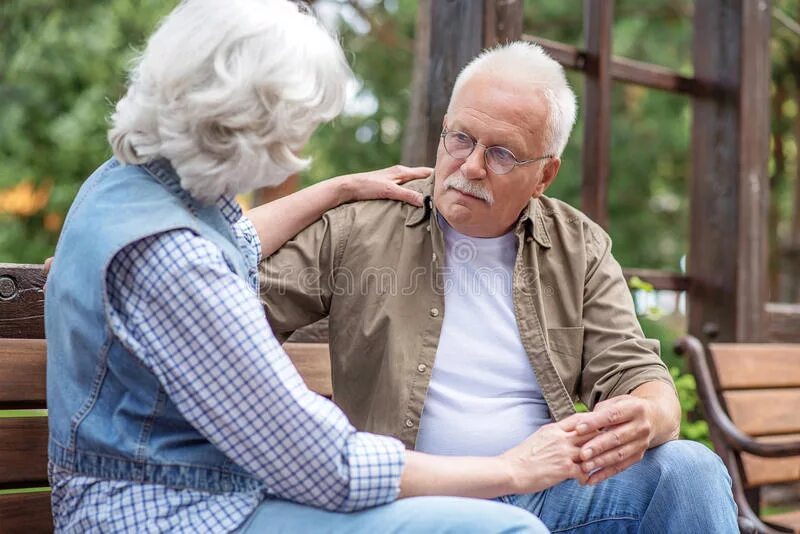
{"x": 517, "y": 163}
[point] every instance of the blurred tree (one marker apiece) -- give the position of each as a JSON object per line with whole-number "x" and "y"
{"x": 62, "y": 65}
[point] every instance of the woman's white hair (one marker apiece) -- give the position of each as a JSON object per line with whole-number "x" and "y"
{"x": 527, "y": 64}
{"x": 229, "y": 92}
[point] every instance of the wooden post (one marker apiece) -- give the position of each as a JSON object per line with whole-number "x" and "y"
{"x": 598, "y": 18}
{"x": 730, "y": 144}
{"x": 455, "y": 36}
{"x": 502, "y": 21}
{"x": 415, "y": 152}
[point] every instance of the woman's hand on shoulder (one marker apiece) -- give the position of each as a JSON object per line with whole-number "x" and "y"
{"x": 383, "y": 184}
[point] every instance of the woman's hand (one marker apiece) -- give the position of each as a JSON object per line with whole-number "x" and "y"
{"x": 549, "y": 456}
{"x": 382, "y": 184}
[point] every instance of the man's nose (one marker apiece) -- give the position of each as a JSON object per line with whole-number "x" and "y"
{"x": 474, "y": 167}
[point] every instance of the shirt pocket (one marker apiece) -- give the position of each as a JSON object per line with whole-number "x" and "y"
{"x": 566, "y": 348}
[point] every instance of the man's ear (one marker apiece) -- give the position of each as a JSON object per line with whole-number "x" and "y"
{"x": 548, "y": 175}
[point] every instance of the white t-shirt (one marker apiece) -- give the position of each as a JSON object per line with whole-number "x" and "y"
{"x": 483, "y": 396}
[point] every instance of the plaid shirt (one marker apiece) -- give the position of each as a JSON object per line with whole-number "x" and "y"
{"x": 202, "y": 331}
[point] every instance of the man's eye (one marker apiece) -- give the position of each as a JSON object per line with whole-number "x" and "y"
{"x": 461, "y": 138}
{"x": 502, "y": 156}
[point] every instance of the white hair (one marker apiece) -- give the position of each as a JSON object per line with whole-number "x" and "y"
{"x": 228, "y": 92}
{"x": 529, "y": 65}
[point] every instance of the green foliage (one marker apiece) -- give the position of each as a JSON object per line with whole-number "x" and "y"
{"x": 691, "y": 428}
{"x": 370, "y": 135}
{"x": 62, "y": 64}
{"x": 666, "y": 332}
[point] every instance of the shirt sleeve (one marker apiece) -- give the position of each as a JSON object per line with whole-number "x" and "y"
{"x": 203, "y": 333}
{"x": 299, "y": 280}
{"x": 617, "y": 356}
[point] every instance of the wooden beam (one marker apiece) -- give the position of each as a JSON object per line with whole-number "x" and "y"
{"x": 666, "y": 280}
{"x": 754, "y": 134}
{"x": 570, "y": 57}
{"x": 456, "y": 36}
{"x": 727, "y": 252}
{"x": 415, "y": 152}
{"x": 783, "y": 322}
{"x": 502, "y": 21}
{"x": 628, "y": 70}
{"x": 596, "y": 155}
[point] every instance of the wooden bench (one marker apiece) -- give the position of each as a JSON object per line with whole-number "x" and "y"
{"x": 24, "y": 495}
{"x": 750, "y": 394}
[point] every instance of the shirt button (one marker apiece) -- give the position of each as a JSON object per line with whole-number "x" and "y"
{"x": 529, "y": 239}
{"x": 422, "y": 367}
{"x": 409, "y": 423}
{"x": 428, "y": 228}
{"x": 434, "y": 257}
{"x": 434, "y": 312}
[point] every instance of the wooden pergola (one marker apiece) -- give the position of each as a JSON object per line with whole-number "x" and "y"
{"x": 727, "y": 278}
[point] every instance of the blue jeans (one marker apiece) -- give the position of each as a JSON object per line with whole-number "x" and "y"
{"x": 679, "y": 487}
{"x": 425, "y": 515}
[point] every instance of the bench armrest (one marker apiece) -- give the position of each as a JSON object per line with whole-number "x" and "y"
{"x": 716, "y": 414}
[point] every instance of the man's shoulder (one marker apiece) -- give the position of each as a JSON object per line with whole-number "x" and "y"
{"x": 381, "y": 213}
{"x": 564, "y": 221}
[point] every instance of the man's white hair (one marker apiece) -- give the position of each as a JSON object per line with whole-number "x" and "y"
{"x": 229, "y": 91}
{"x": 527, "y": 64}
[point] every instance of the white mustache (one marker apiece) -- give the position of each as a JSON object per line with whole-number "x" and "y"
{"x": 470, "y": 187}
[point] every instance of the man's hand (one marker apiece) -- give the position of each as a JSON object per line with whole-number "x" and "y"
{"x": 623, "y": 428}
{"x": 621, "y": 431}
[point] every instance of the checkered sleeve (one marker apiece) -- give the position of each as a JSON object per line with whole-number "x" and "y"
{"x": 203, "y": 333}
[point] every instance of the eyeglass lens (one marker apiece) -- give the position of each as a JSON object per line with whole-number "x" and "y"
{"x": 459, "y": 145}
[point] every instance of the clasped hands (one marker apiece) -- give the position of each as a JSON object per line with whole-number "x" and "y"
{"x": 588, "y": 447}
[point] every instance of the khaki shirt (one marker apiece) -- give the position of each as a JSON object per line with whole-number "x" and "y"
{"x": 376, "y": 268}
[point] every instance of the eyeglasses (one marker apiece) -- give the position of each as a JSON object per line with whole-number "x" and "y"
{"x": 498, "y": 159}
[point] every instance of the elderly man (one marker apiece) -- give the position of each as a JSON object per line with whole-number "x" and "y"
{"x": 465, "y": 324}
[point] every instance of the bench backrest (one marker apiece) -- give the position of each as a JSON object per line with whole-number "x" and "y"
{"x": 759, "y": 385}
{"x": 24, "y": 497}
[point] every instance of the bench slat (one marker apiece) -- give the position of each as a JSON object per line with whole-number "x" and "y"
{"x": 750, "y": 366}
{"x": 786, "y": 519}
{"x": 313, "y": 362}
{"x": 23, "y": 452}
{"x": 26, "y": 512}
{"x": 22, "y": 372}
{"x": 759, "y": 470}
{"x": 22, "y": 301}
{"x": 23, "y": 441}
{"x": 764, "y": 412}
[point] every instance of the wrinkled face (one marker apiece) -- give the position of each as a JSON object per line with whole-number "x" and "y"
{"x": 471, "y": 197}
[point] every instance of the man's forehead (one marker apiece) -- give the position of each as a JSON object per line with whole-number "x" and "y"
{"x": 487, "y": 126}
{"x": 504, "y": 99}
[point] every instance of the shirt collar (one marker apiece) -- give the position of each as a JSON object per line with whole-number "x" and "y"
{"x": 531, "y": 220}
{"x": 165, "y": 173}
{"x": 229, "y": 208}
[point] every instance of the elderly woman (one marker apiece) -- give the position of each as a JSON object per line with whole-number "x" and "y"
{"x": 172, "y": 406}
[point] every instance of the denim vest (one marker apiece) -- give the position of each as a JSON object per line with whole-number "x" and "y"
{"x": 109, "y": 416}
